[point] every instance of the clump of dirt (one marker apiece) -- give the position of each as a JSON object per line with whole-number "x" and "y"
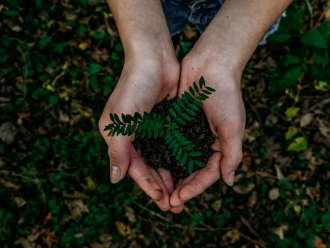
{"x": 157, "y": 153}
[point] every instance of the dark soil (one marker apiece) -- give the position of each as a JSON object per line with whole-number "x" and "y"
{"x": 157, "y": 153}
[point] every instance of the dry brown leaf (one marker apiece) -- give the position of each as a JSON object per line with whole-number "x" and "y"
{"x": 49, "y": 238}
{"x": 48, "y": 217}
{"x": 230, "y": 237}
{"x": 247, "y": 159}
{"x": 252, "y": 201}
{"x": 306, "y": 119}
{"x": 274, "y": 193}
{"x": 130, "y": 214}
{"x": 19, "y": 201}
{"x": 217, "y": 205}
{"x": 243, "y": 190}
{"x": 22, "y": 116}
{"x": 279, "y": 231}
{"x": 9, "y": 184}
{"x": 7, "y": 132}
{"x": 318, "y": 243}
{"x": 78, "y": 207}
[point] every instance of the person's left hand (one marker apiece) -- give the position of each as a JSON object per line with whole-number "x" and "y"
{"x": 225, "y": 112}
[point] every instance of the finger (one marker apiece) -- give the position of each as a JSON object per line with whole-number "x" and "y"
{"x": 204, "y": 179}
{"x": 118, "y": 150}
{"x": 175, "y": 200}
{"x": 166, "y": 177}
{"x": 177, "y": 210}
{"x": 164, "y": 203}
{"x": 142, "y": 176}
{"x": 231, "y": 149}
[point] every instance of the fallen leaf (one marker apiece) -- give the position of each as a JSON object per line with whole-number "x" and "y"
{"x": 123, "y": 229}
{"x": 217, "y": 205}
{"x": 291, "y": 112}
{"x": 318, "y": 243}
{"x": 292, "y": 131}
{"x": 7, "y": 132}
{"x": 49, "y": 238}
{"x": 279, "y": 231}
{"x": 19, "y": 201}
{"x": 243, "y": 189}
{"x": 22, "y": 116}
{"x": 299, "y": 144}
{"x": 48, "y": 217}
{"x": 231, "y": 237}
{"x": 247, "y": 158}
{"x": 79, "y": 195}
{"x": 252, "y": 201}
{"x": 274, "y": 193}
{"x": 279, "y": 173}
{"x": 306, "y": 119}
{"x": 9, "y": 184}
{"x": 130, "y": 214}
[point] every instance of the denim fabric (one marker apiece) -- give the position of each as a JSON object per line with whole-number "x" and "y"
{"x": 179, "y": 13}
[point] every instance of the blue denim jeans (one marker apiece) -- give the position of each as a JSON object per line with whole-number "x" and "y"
{"x": 179, "y": 13}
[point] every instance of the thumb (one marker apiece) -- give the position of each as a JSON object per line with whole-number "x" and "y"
{"x": 231, "y": 149}
{"x": 119, "y": 153}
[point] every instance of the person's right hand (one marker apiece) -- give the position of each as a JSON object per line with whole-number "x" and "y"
{"x": 145, "y": 80}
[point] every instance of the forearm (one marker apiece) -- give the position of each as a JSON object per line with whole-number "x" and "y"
{"x": 141, "y": 25}
{"x": 238, "y": 27}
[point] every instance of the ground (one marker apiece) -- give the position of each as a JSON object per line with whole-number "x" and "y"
{"x": 59, "y": 63}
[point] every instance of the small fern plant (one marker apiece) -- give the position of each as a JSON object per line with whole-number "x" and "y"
{"x": 156, "y": 126}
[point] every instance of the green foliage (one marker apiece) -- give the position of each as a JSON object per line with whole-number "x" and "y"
{"x": 155, "y": 126}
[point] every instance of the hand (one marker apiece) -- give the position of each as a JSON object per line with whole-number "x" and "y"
{"x": 145, "y": 80}
{"x": 226, "y": 116}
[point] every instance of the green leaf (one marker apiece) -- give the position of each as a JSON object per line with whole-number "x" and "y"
{"x": 188, "y": 95}
{"x": 185, "y": 142}
{"x": 138, "y": 131}
{"x": 161, "y": 131}
{"x": 143, "y": 134}
{"x": 178, "y": 155}
{"x": 181, "y": 138}
{"x": 190, "y": 166}
{"x": 154, "y": 116}
{"x": 280, "y": 38}
{"x": 203, "y": 95}
{"x": 210, "y": 89}
{"x": 125, "y": 120}
{"x": 201, "y": 98}
{"x": 314, "y": 38}
{"x": 108, "y": 127}
{"x": 299, "y": 144}
{"x": 149, "y": 135}
{"x": 168, "y": 140}
{"x": 117, "y": 119}
{"x": 115, "y": 130}
{"x": 121, "y": 130}
{"x": 207, "y": 92}
{"x": 172, "y": 144}
{"x": 189, "y": 147}
{"x": 201, "y": 82}
{"x": 94, "y": 68}
{"x": 195, "y": 154}
{"x": 195, "y": 87}
{"x": 173, "y": 113}
{"x": 292, "y": 131}
{"x": 199, "y": 163}
{"x": 191, "y": 112}
{"x": 192, "y": 91}
{"x": 156, "y": 133}
{"x": 112, "y": 117}
{"x": 145, "y": 125}
{"x": 130, "y": 118}
{"x": 184, "y": 115}
{"x": 128, "y": 130}
{"x": 146, "y": 116}
{"x": 184, "y": 98}
{"x": 175, "y": 149}
{"x": 198, "y": 103}
{"x": 151, "y": 125}
{"x": 168, "y": 118}
{"x": 133, "y": 128}
{"x": 181, "y": 121}
{"x": 177, "y": 108}
{"x": 109, "y": 133}
{"x": 184, "y": 159}
{"x": 174, "y": 125}
{"x": 179, "y": 101}
{"x": 137, "y": 116}
{"x": 194, "y": 107}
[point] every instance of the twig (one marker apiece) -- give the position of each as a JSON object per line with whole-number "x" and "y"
{"x": 252, "y": 240}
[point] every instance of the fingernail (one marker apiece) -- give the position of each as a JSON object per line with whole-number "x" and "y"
{"x": 114, "y": 174}
{"x": 230, "y": 178}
